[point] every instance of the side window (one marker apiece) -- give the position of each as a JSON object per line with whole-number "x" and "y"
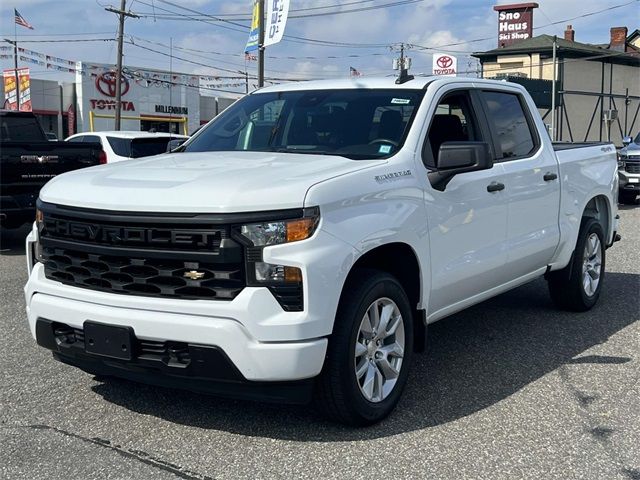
{"x": 453, "y": 121}
{"x": 510, "y": 124}
{"x": 76, "y": 139}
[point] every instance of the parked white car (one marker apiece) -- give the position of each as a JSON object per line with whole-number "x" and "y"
{"x": 304, "y": 240}
{"x": 125, "y": 145}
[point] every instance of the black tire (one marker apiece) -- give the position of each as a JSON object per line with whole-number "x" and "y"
{"x": 566, "y": 285}
{"x": 338, "y": 394}
{"x": 629, "y": 198}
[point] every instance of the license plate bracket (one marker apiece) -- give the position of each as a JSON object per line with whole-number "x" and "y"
{"x": 114, "y": 341}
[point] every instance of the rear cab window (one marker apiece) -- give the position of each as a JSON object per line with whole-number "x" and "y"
{"x": 514, "y": 133}
{"x": 18, "y": 128}
{"x": 138, "y": 147}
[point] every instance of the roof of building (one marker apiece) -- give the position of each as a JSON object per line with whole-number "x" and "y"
{"x": 544, "y": 43}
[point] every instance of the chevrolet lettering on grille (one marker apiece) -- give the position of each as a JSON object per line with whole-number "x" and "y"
{"x": 116, "y": 235}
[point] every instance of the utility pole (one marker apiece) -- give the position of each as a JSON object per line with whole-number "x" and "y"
{"x": 261, "y": 43}
{"x": 121, "y": 14}
{"x": 553, "y": 92}
{"x": 15, "y": 63}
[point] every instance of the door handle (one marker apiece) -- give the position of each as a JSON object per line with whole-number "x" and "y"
{"x": 495, "y": 187}
{"x": 549, "y": 176}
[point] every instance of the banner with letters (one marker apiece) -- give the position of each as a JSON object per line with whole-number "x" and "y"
{"x": 277, "y": 12}
{"x": 10, "y": 90}
{"x": 254, "y": 33}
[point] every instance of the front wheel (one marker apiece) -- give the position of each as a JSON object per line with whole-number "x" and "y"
{"x": 577, "y": 286}
{"x": 369, "y": 351}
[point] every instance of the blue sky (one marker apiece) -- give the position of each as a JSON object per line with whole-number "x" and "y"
{"x": 430, "y": 23}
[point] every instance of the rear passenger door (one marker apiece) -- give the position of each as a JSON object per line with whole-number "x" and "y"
{"x": 531, "y": 182}
{"x": 467, "y": 221}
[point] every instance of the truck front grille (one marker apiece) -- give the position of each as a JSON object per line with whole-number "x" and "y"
{"x": 186, "y": 257}
{"x": 166, "y": 277}
{"x": 632, "y": 166}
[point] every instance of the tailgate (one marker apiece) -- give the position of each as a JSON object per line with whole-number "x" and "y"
{"x": 36, "y": 163}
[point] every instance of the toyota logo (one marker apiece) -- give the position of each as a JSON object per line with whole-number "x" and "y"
{"x": 444, "y": 61}
{"x": 106, "y": 84}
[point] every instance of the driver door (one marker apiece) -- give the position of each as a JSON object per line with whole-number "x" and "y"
{"x": 467, "y": 220}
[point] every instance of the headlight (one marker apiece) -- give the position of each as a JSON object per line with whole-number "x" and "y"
{"x": 285, "y": 281}
{"x": 621, "y": 159}
{"x": 285, "y": 231}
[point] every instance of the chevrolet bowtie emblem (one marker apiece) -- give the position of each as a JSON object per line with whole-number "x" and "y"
{"x": 193, "y": 275}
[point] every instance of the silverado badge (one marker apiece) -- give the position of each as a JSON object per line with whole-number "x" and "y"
{"x": 193, "y": 275}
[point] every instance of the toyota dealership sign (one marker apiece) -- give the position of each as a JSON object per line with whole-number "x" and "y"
{"x": 146, "y": 94}
{"x": 444, "y": 64}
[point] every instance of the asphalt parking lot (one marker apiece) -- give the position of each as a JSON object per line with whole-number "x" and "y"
{"x": 509, "y": 389}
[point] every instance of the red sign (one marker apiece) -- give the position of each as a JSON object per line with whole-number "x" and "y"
{"x": 106, "y": 84}
{"x": 71, "y": 119}
{"x": 515, "y": 22}
{"x": 11, "y": 90}
{"x": 444, "y": 61}
{"x": 111, "y": 105}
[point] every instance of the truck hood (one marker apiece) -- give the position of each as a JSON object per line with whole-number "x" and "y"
{"x": 216, "y": 182}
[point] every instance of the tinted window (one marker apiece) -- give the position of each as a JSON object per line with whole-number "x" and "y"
{"x": 20, "y": 129}
{"x": 351, "y": 123}
{"x": 138, "y": 147}
{"x": 509, "y": 123}
{"x": 92, "y": 139}
{"x": 145, "y": 147}
{"x": 453, "y": 121}
{"x": 76, "y": 139}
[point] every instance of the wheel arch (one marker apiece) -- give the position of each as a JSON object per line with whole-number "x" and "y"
{"x": 598, "y": 207}
{"x": 401, "y": 261}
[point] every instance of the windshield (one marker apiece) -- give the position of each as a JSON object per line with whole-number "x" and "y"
{"x": 637, "y": 139}
{"x": 138, "y": 147}
{"x": 355, "y": 123}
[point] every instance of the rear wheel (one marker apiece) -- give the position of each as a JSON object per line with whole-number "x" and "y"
{"x": 577, "y": 286}
{"x": 369, "y": 351}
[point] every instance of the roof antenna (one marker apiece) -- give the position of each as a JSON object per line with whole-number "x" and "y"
{"x": 403, "y": 64}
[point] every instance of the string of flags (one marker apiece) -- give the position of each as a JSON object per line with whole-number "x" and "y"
{"x": 146, "y": 78}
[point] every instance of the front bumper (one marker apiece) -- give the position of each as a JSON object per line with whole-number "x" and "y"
{"x": 628, "y": 182}
{"x": 261, "y": 340}
{"x": 199, "y": 368}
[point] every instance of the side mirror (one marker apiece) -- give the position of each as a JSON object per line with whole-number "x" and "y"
{"x": 175, "y": 143}
{"x": 626, "y": 141}
{"x": 459, "y": 157}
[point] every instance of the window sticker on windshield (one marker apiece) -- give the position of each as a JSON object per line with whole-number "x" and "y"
{"x": 384, "y": 149}
{"x": 400, "y": 101}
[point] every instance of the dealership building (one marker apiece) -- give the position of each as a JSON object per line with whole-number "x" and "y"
{"x": 151, "y": 100}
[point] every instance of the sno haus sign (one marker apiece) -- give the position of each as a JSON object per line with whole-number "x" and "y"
{"x": 515, "y": 22}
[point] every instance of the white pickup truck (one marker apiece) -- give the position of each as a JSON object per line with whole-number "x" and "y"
{"x": 300, "y": 244}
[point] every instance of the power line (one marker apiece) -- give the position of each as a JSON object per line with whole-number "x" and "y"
{"x": 243, "y": 28}
{"x": 177, "y": 16}
{"x": 466, "y": 42}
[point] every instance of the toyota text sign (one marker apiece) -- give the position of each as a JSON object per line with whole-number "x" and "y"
{"x": 444, "y": 64}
